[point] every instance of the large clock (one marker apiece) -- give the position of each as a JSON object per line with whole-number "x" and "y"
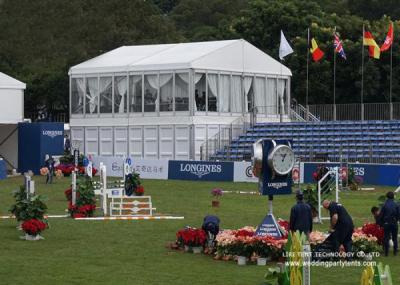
{"x": 281, "y": 159}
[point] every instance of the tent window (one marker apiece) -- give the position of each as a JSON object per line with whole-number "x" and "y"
{"x": 166, "y": 82}
{"x": 77, "y": 95}
{"x": 200, "y": 91}
{"x": 182, "y": 92}
{"x": 105, "y": 95}
{"x": 212, "y": 83}
{"x": 91, "y": 95}
{"x": 150, "y": 92}
{"x": 135, "y": 91}
{"x": 282, "y": 94}
{"x": 224, "y": 92}
{"x": 259, "y": 94}
{"x": 272, "y": 101}
{"x": 249, "y": 92}
{"x": 236, "y": 94}
{"x": 120, "y": 94}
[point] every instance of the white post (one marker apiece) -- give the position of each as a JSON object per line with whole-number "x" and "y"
{"x": 337, "y": 184}
{"x": 89, "y": 169}
{"x": 104, "y": 190}
{"x": 27, "y": 185}
{"x": 73, "y": 188}
{"x": 306, "y": 264}
{"x": 31, "y": 187}
{"x": 319, "y": 202}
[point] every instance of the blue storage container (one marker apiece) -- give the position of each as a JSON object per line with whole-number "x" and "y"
{"x": 35, "y": 140}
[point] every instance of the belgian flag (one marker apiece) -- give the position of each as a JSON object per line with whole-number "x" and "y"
{"x": 316, "y": 52}
{"x": 373, "y": 48}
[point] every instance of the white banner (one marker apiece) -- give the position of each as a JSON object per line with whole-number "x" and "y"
{"x": 148, "y": 169}
{"x": 242, "y": 172}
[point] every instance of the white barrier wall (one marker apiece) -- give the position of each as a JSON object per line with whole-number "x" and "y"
{"x": 148, "y": 169}
{"x": 138, "y": 142}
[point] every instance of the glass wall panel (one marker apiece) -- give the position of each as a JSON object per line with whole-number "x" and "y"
{"x": 259, "y": 94}
{"x": 212, "y": 80}
{"x": 182, "y": 92}
{"x": 224, "y": 92}
{"x": 282, "y": 93}
{"x": 92, "y": 95}
{"x": 120, "y": 94}
{"x": 150, "y": 92}
{"x": 249, "y": 92}
{"x": 77, "y": 95}
{"x": 135, "y": 93}
{"x": 236, "y": 94}
{"x": 166, "y": 82}
{"x": 200, "y": 91}
{"x": 105, "y": 95}
{"x": 272, "y": 96}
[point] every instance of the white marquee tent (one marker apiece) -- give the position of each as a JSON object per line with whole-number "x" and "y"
{"x": 11, "y": 113}
{"x": 135, "y": 99}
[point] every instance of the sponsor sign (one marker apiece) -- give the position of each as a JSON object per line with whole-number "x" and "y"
{"x": 200, "y": 170}
{"x": 148, "y": 169}
{"x": 243, "y": 172}
{"x": 269, "y": 227}
{"x": 370, "y": 174}
{"x": 52, "y": 133}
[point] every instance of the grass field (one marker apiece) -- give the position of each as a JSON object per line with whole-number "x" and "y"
{"x": 134, "y": 252}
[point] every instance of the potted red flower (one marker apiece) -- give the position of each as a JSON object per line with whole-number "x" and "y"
{"x": 191, "y": 238}
{"x": 216, "y": 193}
{"x": 33, "y": 228}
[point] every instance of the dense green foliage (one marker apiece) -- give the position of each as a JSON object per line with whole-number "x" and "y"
{"x": 40, "y": 40}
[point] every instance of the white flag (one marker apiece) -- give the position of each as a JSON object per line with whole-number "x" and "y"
{"x": 284, "y": 48}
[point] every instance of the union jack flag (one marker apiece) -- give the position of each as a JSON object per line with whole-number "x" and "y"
{"x": 338, "y": 46}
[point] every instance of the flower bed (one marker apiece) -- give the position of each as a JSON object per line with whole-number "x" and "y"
{"x": 229, "y": 244}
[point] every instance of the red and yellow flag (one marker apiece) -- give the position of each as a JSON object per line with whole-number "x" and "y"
{"x": 389, "y": 39}
{"x": 373, "y": 48}
{"x": 316, "y": 52}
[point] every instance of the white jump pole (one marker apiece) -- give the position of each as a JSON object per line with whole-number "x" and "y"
{"x": 130, "y": 218}
{"x": 103, "y": 171}
{"x": 73, "y": 188}
{"x": 27, "y": 185}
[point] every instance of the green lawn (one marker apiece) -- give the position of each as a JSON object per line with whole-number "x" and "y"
{"x": 134, "y": 252}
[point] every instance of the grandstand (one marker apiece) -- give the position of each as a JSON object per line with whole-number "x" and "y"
{"x": 362, "y": 141}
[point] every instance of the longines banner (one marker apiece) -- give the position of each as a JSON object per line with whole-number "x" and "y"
{"x": 200, "y": 170}
{"x": 148, "y": 169}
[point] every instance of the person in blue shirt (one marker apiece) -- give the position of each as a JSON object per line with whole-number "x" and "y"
{"x": 389, "y": 217}
{"x": 301, "y": 216}
{"x": 342, "y": 226}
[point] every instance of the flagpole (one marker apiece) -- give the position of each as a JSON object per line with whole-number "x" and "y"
{"x": 362, "y": 75}
{"x": 391, "y": 73}
{"x": 308, "y": 56}
{"x": 334, "y": 79}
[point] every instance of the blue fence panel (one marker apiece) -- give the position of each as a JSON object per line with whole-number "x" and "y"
{"x": 200, "y": 170}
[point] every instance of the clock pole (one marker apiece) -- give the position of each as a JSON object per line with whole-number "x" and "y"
{"x": 270, "y": 199}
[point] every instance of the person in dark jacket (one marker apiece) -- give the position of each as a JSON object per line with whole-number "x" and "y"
{"x": 375, "y": 212}
{"x": 49, "y": 163}
{"x": 389, "y": 216}
{"x": 342, "y": 226}
{"x": 211, "y": 224}
{"x": 301, "y": 216}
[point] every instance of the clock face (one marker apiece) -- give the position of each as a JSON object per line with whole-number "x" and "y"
{"x": 281, "y": 159}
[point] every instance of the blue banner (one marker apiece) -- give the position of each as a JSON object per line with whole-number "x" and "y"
{"x": 370, "y": 174}
{"x": 200, "y": 170}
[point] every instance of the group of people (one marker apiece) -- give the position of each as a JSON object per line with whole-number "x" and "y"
{"x": 341, "y": 224}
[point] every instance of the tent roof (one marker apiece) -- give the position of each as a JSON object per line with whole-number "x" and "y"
{"x": 231, "y": 55}
{"x": 7, "y": 82}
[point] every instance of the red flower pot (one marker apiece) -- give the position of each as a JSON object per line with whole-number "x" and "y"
{"x": 215, "y": 204}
